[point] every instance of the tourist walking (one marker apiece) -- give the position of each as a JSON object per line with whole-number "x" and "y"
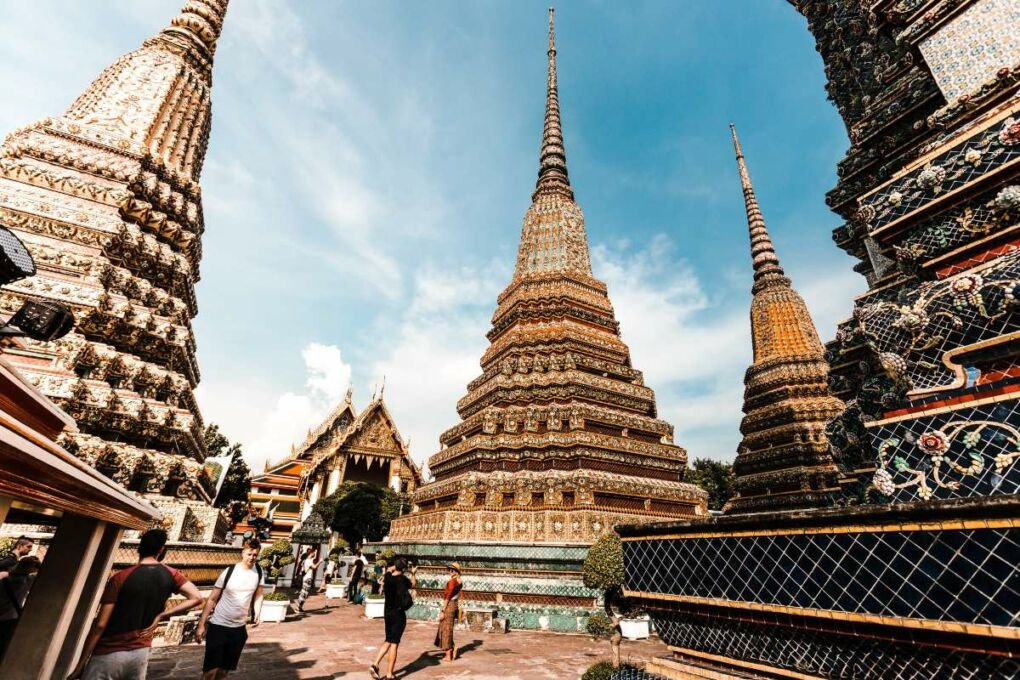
{"x": 236, "y": 597}
{"x": 132, "y": 606}
{"x": 357, "y": 569}
{"x": 22, "y": 547}
{"x": 13, "y": 591}
{"x": 309, "y": 565}
{"x": 448, "y": 614}
{"x": 397, "y": 592}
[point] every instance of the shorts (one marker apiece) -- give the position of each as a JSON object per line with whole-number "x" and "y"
{"x": 129, "y": 665}
{"x": 396, "y": 622}
{"x": 223, "y": 647}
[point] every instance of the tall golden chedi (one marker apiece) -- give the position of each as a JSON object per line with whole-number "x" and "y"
{"x": 783, "y": 462}
{"x": 559, "y": 438}
{"x": 106, "y": 197}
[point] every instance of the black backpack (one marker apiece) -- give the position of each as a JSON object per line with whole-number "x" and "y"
{"x": 406, "y": 602}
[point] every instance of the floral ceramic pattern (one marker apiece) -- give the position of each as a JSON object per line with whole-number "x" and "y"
{"x": 970, "y": 49}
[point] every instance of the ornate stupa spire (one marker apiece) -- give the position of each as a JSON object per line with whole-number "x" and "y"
{"x": 783, "y": 461}
{"x": 767, "y": 269}
{"x": 107, "y": 199}
{"x": 552, "y": 164}
{"x": 201, "y": 20}
{"x": 559, "y": 432}
{"x": 553, "y": 238}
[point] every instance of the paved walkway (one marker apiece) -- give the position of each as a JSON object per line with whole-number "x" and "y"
{"x": 339, "y": 643}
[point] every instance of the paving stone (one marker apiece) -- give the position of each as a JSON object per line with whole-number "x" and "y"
{"x": 340, "y": 643}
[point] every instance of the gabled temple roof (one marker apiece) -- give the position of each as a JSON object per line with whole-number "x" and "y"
{"x": 333, "y": 421}
{"x": 351, "y": 439}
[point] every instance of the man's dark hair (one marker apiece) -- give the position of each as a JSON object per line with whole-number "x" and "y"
{"x": 26, "y": 565}
{"x": 400, "y": 564}
{"x": 251, "y": 543}
{"x": 151, "y": 542}
{"x": 23, "y": 541}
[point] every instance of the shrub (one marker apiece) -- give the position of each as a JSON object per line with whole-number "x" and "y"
{"x": 385, "y": 558}
{"x": 603, "y": 566}
{"x": 7, "y": 545}
{"x": 600, "y": 626}
{"x": 602, "y": 670}
{"x": 275, "y": 557}
{"x": 342, "y": 547}
{"x": 277, "y": 596}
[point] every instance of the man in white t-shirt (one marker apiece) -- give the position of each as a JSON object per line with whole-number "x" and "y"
{"x": 236, "y": 595}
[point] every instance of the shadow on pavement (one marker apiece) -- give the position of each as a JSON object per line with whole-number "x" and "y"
{"x": 432, "y": 658}
{"x": 259, "y": 661}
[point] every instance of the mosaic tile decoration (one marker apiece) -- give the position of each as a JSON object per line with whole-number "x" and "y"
{"x": 915, "y": 335}
{"x": 972, "y": 47}
{"x": 824, "y": 654}
{"x": 966, "y": 575}
{"x": 966, "y": 452}
{"x": 974, "y": 155}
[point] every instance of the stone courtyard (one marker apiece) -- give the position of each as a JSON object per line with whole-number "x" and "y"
{"x": 340, "y": 643}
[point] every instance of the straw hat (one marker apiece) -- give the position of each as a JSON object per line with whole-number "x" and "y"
{"x": 455, "y": 566}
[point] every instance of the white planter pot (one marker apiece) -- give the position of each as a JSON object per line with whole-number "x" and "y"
{"x": 635, "y": 629}
{"x": 335, "y": 591}
{"x": 375, "y": 609}
{"x": 274, "y": 611}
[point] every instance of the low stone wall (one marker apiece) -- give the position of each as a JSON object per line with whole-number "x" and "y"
{"x": 202, "y": 562}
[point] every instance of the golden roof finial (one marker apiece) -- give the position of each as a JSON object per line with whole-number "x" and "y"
{"x": 763, "y": 255}
{"x": 203, "y": 19}
{"x": 552, "y": 166}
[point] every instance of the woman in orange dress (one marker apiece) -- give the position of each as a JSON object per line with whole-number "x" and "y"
{"x": 448, "y": 615}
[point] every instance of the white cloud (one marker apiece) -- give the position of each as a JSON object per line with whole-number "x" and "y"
{"x": 694, "y": 348}
{"x": 266, "y": 426}
{"x": 440, "y": 339}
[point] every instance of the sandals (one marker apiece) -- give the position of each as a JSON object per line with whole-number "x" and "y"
{"x": 373, "y": 670}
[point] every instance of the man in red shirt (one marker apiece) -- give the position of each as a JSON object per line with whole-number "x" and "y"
{"x": 132, "y": 606}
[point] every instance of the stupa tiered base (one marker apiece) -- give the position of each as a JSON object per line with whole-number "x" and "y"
{"x": 915, "y": 590}
{"x": 529, "y": 586}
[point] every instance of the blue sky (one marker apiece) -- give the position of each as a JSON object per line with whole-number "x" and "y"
{"x": 371, "y": 162}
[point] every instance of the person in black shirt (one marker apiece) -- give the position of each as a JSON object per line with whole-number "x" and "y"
{"x": 357, "y": 569}
{"x": 22, "y": 547}
{"x": 397, "y": 591}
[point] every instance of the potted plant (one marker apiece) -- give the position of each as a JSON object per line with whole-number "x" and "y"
{"x": 374, "y": 606}
{"x": 603, "y": 569}
{"x": 274, "y": 607}
{"x": 275, "y": 558}
{"x": 336, "y": 589}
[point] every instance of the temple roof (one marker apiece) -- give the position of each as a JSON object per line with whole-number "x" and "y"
{"x": 364, "y": 436}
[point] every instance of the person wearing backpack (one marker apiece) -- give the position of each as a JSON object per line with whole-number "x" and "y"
{"x": 236, "y": 596}
{"x": 397, "y": 591}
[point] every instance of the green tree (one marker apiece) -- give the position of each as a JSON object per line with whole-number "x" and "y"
{"x": 359, "y": 511}
{"x": 233, "y": 495}
{"x": 714, "y": 477}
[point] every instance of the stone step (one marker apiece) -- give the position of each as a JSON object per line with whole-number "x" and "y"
{"x": 672, "y": 669}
